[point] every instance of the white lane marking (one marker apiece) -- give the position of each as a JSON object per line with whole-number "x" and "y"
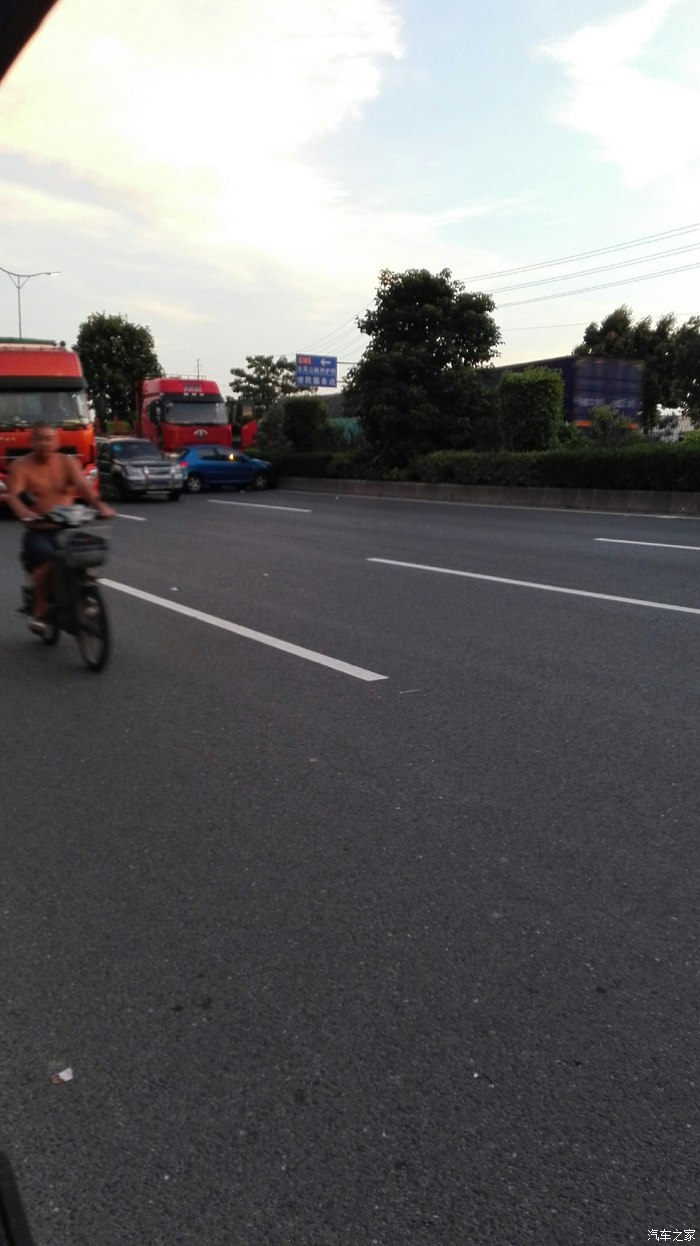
{"x": 265, "y": 506}
{"x": 345, "y": 668}
{"x": 544, "y": 588}
{"x": 609, "y": 540}
{"x": 488, "y": 506}
{"x": 138, "y": 518}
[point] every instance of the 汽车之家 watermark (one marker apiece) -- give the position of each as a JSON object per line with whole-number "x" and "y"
{"x": 670, "y": 1235}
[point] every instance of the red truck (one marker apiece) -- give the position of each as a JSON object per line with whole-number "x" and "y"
{"x": 43, "y": 381}
{"x": 178, "y": 411}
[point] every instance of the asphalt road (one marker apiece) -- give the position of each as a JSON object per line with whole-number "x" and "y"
{"x": 396, "y": 952}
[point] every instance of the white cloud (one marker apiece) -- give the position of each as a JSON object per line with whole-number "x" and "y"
{"x": 19, "y": 202}
{"x": 199, "y": 119}
{"x": 647, "y": 124}
{"x": 177, "y": 313}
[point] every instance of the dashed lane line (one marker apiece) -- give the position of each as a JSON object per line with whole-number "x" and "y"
{"x": 263, "y": 506}
{"x": 321, "y": 659}
{"x": 609, "y": 540}
{"x": 543, "y": 588}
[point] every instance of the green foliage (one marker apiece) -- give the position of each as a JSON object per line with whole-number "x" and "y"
{"x": 644, "y": 466}
{"x": 569, "y": 435}
{"x": 671, "y": 358}
{"x": 473, "y": 468}
{"x": 415, "y": 387}
{"x": 264, "y": 381}
{"x": 270, "y": 433}
{"x": 687, "y": 368}
{"x": 639, "y": 466}
{"x": 306, "y": 426}
{"x": 115, "y": 355}
{"x": 609, "y": 428}
{"x": 692, "y": 438}
{"x": 531, "y": 405}
{"x": 317, "y": 464}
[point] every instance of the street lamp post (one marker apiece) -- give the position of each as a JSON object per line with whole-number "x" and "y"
{"x": 20, "y": 279}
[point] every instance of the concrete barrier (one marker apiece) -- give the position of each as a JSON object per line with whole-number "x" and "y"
{"x": 630, "y": 501}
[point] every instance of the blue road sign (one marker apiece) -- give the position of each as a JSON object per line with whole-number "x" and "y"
{"x": 317, "y": 371}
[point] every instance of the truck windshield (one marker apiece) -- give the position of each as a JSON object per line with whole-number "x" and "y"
{"x": 195, "y": 413}
{"x": 65, "y": 409}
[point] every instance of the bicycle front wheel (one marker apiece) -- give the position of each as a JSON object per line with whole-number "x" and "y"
{"x": 92, "y": 633}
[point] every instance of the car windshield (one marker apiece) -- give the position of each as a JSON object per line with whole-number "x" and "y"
{"x": 135, "y": 450}
{"x": 195, "y": 413}
{"x": 63, "y": 408}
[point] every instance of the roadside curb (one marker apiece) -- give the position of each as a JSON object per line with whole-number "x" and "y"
{"x": 632, "y": 501}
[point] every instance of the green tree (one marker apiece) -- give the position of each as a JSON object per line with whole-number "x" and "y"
{"x": 687, "y": 368}
{"x": 270, "y": 438}
{"x": 620, "y": 337}
{"x": 306, "y": 425}
{"x": 115, "y": 355}
{"x": 264, "y": 381}
{"x": 531, "y": 404}
{"x": 416, "y": 386}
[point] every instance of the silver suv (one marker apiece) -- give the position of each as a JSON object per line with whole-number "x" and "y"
{"x": 130, "y": 467}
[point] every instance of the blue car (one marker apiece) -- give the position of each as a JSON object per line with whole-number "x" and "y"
{"x": 211, "y": 467}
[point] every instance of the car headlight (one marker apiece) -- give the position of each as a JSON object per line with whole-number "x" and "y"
{"x": 176, "y": 473}
{"x": 134, "y": 473}
{"x": 91, "y": 475}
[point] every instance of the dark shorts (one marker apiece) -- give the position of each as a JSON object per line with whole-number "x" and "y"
{"x": 38, "y": 548}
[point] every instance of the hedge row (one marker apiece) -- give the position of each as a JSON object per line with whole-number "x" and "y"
{"x": 655, "y": 467}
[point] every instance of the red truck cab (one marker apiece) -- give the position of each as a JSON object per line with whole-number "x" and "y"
{"x": 43, "y": 382}
{"x": 177, "y": 411}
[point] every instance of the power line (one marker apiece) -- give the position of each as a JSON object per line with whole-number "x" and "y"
{"x": 333, "y": 333}
{"x": 338, "y": 340}
{"x": 604, "y": 268}
{"x": 542, "y": 298}
{"x": 585, "y": 255}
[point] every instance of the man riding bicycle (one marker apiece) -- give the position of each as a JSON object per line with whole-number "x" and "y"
{"x": 38, "y": 482}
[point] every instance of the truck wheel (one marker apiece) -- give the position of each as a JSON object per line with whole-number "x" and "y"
{"x": 175, "y": 495}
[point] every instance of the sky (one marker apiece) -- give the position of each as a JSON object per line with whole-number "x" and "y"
{"x": 235, "y": 174}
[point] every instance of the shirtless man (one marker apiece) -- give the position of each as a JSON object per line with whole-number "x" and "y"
{"x": 49, "y": 479}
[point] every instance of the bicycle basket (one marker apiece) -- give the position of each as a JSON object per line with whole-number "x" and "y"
{"x": 81, "y": 549}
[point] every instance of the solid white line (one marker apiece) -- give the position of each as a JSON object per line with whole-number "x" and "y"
{"x": 609, "y": 540}
{"x": 265, "y": 506}
{"x": 545, "y": 588}
{"x": 345, "y": 668}
{"x": 138, "y": 518}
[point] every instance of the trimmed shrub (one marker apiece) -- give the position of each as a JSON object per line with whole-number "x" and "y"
{"x": 531, "y": 405}
{"x": 640, "y": 465}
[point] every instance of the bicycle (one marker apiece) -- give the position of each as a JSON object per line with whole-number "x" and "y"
{"x": 75, "y": 603}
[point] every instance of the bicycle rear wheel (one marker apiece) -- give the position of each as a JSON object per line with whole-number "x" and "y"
{"x": 92, "y": 633}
